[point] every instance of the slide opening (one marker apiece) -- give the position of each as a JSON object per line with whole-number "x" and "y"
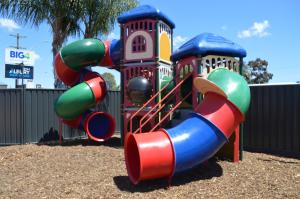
{"x": 99, "y": 126}
{"x": 204, "y": 86}
{"x": 132, "y": 158}
{"x": 148, "y": 156}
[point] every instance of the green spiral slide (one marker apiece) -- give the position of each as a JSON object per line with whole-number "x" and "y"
{"x": 88, "y": 88}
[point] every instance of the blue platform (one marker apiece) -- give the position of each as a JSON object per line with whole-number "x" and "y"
{"x": 142, "y": 12}
{"x": 208, "y": 44}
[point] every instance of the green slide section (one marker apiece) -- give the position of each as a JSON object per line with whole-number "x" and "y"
{"x": 75, "y": 101}
{"x": 165, "y": 80}
{"x": 234, "y": 85}
{"x": 82, "y": 53}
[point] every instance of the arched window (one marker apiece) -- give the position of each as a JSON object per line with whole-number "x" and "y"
{"x": 139, "y": 44}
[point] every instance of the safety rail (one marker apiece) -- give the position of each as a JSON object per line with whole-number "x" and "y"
{"x": 160, "y": 103}
{"x": 150, "y": 100}
{"x": 157, "y": 111}
{"x": 171, "y": 111}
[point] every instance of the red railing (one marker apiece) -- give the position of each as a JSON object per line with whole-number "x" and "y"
{"x": 149, "y": 101}
{"x": 171, "y": 111}
{"x": 161, "y": 104}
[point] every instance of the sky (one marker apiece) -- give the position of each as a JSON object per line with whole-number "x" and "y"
{"x": 268, "y": 29}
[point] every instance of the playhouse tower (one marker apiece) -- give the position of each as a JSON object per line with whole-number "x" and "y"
{"x": 200, "y": 56}
{"x": 146, "y": 47}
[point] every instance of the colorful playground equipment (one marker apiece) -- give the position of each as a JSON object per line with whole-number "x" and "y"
{"x": 74, "y": 106}
{"x": 178, "y": 109}
{"x": 167, "y": 152}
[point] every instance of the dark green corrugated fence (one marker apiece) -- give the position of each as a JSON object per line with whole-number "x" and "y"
{"x": 10, "y": 116}
{"x": 36, "y": 120}
{"x": 273, "y": 120}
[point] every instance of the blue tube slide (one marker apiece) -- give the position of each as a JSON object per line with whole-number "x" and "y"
{"x": 194, "y": 140}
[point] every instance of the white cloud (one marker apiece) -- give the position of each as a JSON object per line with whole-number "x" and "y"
{"x": 8, "y": 24}
{"x": 35, "y": 56}
{"x": 258, "y": 29}
{"x": 112, "y": 36}
{"x": 178, "y": 41}
{"x": 224, "y": 27}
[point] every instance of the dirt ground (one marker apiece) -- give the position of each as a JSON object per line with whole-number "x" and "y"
{"x": 85, "y": 170}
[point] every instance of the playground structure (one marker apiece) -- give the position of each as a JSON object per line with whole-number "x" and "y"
{"x": 74, "y": 106}
{"x": 167, "y": 125}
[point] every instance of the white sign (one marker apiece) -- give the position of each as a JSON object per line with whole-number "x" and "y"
{"x": 17, "y": 56}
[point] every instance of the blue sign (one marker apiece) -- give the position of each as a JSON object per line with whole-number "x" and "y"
{"x": 15, "y": 71}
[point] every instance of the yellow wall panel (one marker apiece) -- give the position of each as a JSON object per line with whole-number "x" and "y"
{"x": 164, "y": 47}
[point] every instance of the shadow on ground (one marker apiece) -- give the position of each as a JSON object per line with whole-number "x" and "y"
{"x": 114, "y": 142}
{"x": 281, "y": 154}
{"x": 202, "y": 172}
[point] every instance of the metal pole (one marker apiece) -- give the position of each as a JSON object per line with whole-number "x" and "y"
{"x": 22, "y": 65}
{"x": 18, "y": 37}
{"x": 60, "y": 131}
{"x": 241, "y": 147}
{"x": 23, "y": 103}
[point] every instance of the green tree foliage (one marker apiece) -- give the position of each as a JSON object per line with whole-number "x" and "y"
{"x": 88, "y": 18}
{"x": 98, "y": 17}
{"x": 110, "y": 80}
{"x": 256, "y": 71}
{"x": 57, "y": 14}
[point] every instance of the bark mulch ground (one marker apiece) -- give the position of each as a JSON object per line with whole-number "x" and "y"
{"x": 84, "y": 170}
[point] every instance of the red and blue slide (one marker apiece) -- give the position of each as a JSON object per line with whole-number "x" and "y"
{"x": 167, "y": 152}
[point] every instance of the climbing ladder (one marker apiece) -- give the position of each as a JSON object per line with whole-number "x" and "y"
{"x": 157, "y": 109}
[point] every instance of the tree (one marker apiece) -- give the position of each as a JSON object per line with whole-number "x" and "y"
{"x": 256, "y": 71}
{"x": 98, "y": 17}
{"x": 65, "y": 17}
{"x": 110, "y": 81}
{"x": 57, "y": 14}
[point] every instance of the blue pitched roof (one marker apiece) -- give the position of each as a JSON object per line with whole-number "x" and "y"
{"x": 145, "y": 11}
{"x": 208, "y": 43}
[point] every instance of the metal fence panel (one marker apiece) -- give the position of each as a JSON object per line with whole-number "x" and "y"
{"x": 36, "y": 121}
{"x": 10, "y": 116}
{"x": 41, "y": 122}
{"x": 272, "y": 122}
{"x": 112, "y": 105}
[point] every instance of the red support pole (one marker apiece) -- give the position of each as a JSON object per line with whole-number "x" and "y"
{"x": 60, "y": 131}
{"x": 236, "y": 144}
